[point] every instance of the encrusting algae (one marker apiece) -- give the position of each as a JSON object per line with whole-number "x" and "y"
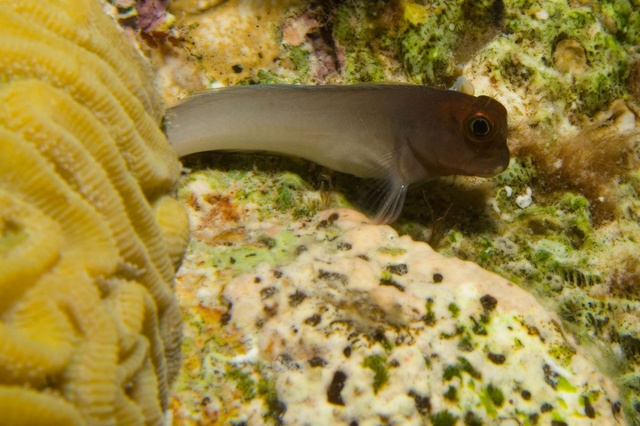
{"x": 89, "y": 238}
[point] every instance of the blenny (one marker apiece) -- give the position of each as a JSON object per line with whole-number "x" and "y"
{"x": 400, "y": 134}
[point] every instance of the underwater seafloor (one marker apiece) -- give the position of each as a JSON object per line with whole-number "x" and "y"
{"x": 298, "y": 315}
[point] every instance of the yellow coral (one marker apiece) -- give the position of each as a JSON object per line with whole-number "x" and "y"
{"x": 89, "y": 238}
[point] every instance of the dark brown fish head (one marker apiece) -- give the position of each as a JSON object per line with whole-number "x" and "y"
{"x": 468, "y": 136}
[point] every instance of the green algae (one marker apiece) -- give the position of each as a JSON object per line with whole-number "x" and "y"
{"x": 523, "y": 58}
{"x": 426, "y": 45}
{"x": 301, "y": 57}
{"x": 266, "y": 77}
{"x": 462, "y": 366}
{"x": 267, "y": 391}
{"x": 244, "y": 259}
{"x": 472, "y": 419}
{"x": 514, "y": 41}
{"x": 358, "y": 32}
{"x": 278, "y": 185}
{"x": 443, "y": 418}
{"x": 562, "y": 353}
{"x": 521, "y": 172}
{"x": 622, "y": 18}
{"x": 244, "y": 383}
{"x": 551, "y": 237}
{"x": 424, "y": 38}
{"x": 392, "y": 251}
{"x": 451, "y": 394}
{"x": 454, "y": 309}
{"x": 466, "y": 344}
{"x": 491, "y": 398}
{"x": 565, "y": 386}
{"x": 378, "y": 364}
{"x": 430, "y": 317}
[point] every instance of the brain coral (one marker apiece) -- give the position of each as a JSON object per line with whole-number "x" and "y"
{"x": 89, "y": 238}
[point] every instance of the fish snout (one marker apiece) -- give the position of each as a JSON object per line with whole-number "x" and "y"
{"x": 488, "y": 165}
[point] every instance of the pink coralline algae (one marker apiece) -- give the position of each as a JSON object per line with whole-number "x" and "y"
{"x": 152, "y": 15}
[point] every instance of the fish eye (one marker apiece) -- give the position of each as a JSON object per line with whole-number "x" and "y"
{"x": 479, "y": 126}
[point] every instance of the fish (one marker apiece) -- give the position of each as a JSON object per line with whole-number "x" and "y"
{"x": 400, "y": 135}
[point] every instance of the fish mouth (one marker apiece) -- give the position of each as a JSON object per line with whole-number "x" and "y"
{"x": 488, "y": 167}
{"x": 497, "y": 170}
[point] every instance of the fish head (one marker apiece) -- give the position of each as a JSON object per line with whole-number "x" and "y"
{"x": 466, "y": 135}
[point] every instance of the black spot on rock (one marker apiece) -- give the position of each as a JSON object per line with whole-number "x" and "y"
{"x": 589, "y": 411}
{"x": 423, "y": 403}
{"x": 616, "y": 407}
{"x": 266, "y": 293}
{"x": 399, "y": 269}
{"x": 337, "y": 383}
{"x": 313, "y": 320}
{"x": 437, "y": 278}
{"x": 225, "y": 318}
{"x": 546, "y": 407}
{"x": 488, "y": 302}
{"x": 344, "y": 246}
{"x": 333, "y": 276}
{"x": 268, "y": 241}
{"x": 496, "y": 358}
{"x": 392, "y": 283}
{"x": 287, "y": 361}
{"x": 296, "y": 298}
{"x": 630, "y": 345}
{"x": 497, "y": 12}
{"x": 465, "y": 345}
{"x": 550, "y": 377}
{"x": 270, "y": 311}
{"x": 472, "y": 419}
{"x": 317, "y": 361}
{"x": 278, "y": 408}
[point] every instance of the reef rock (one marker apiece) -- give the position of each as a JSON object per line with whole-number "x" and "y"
{"x": 335, "y": 320}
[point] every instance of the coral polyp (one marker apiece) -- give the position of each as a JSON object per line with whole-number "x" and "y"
{"x": 89, "y": 236}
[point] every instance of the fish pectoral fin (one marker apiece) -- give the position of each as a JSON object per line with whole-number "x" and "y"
{"x": 386, "y": 198}
{"x": 392, "y": 205}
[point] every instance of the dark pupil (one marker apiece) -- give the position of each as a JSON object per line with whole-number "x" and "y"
{"x": 480, "y": 126}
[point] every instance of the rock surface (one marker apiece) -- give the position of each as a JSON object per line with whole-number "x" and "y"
{"x": 334, "y": 320}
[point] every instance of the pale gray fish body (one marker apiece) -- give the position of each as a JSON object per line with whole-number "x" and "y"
{"x": 402, "y": 134}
